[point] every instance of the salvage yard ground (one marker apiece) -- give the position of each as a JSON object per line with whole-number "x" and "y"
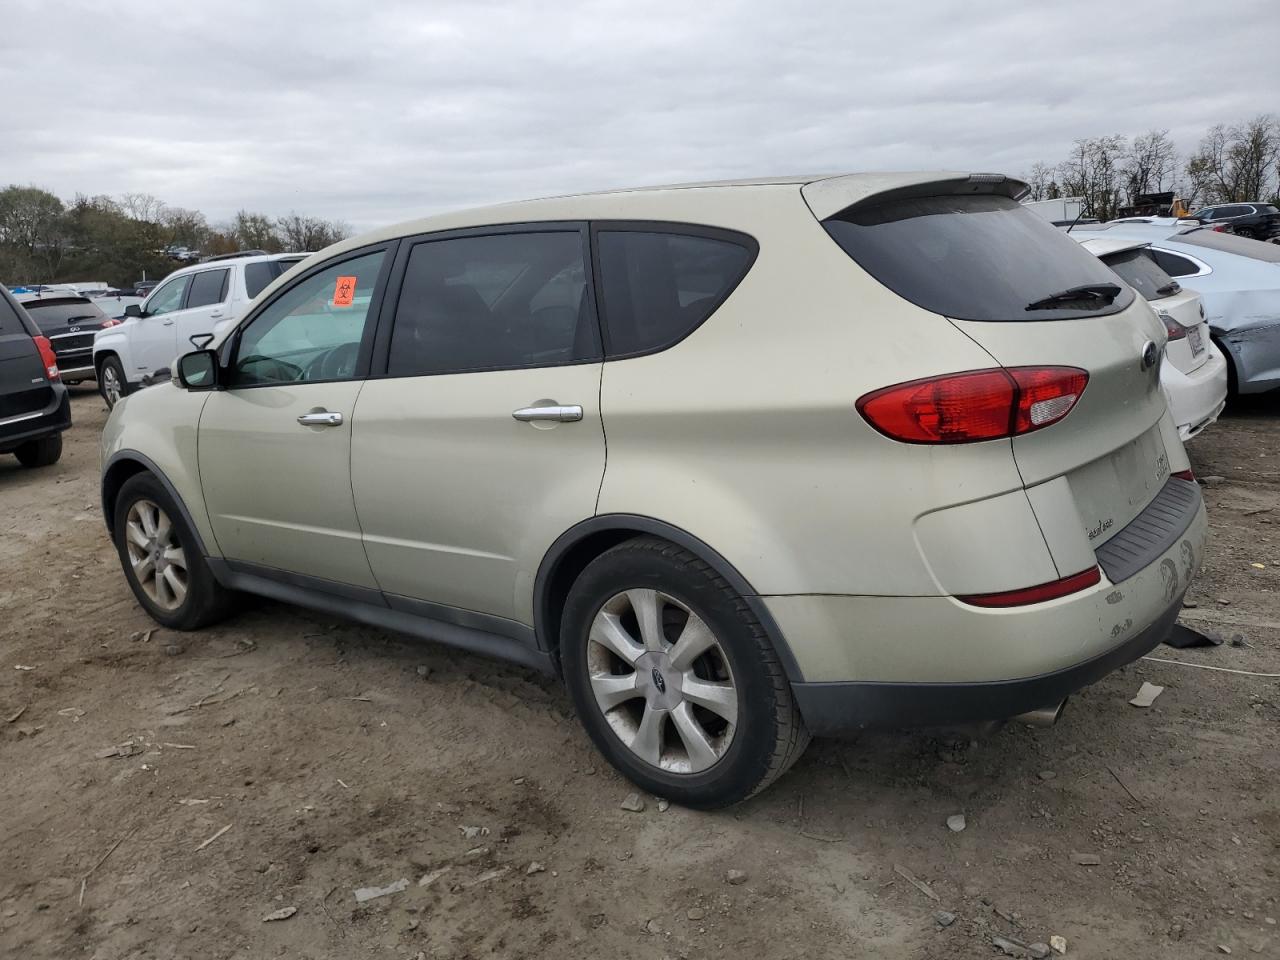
{"x": 166, "y": 795}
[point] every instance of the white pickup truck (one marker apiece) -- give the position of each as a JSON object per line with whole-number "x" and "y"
{"x": 196, "y": 300}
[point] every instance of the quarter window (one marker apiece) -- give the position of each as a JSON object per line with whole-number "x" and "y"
{"x": 659, "y": 287}
{"x": 168, "y": 297}
{"x": 1175, "y": 265}
{"x": 208, "y": 288}
{"x": 313, "y": 330}
{"x": 493, "y": 302}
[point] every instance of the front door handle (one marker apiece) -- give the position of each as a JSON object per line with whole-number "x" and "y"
{"x": 559, "y": 413}
{"x": 320, "y": 418}
{"x": 168, "y": 323}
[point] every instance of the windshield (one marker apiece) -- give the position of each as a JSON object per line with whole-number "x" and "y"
{"x": 977, "y": 258}
{"x": 1138, "y": 268}
{"x": 59, "y": 314}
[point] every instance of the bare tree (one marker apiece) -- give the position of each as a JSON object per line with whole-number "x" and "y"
{"x": 1093, "y": 173}
{"x": 1237, "y": 163}
{"x": 254, "y": 231}
{"x": 309, "y": 233}
{"x": 1042, "y": 182}
{"x": 142, "y": 206}
{"x": 1149, "y": 163}
{"x": 184, "y": 227}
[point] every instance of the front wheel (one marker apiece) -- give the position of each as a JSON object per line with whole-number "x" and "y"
{"x": 675, "y": 679}
{"x": 161, "y": 559}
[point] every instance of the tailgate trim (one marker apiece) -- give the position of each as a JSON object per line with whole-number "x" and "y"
{"x": 1151, "y": 532}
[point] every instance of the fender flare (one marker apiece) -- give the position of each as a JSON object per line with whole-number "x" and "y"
{"x": 148, "y": 465}
{"x": 545, "y": 618}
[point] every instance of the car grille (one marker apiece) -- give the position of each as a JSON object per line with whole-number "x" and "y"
{"x": 24, "y": 401}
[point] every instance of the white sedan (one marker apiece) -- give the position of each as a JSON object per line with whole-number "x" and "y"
{"x": 1194, "y": 375}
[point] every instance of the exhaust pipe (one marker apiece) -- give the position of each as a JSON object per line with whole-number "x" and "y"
{"x": 1042, "y": 716}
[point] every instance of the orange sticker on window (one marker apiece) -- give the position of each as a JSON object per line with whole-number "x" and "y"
{"x": 344, "y": 291}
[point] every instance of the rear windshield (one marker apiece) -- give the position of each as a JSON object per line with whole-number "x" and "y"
{"x": 50, "y": 314}
{"x": 257, "y": 276}
{"x": 1138, "y": 268}
{"x": 975, "y": 258}
{"x": 1230, "y": 243}
{"x": 12, "y": 320}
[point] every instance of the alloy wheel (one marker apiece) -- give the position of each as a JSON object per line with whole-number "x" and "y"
{"x": 157, "y": 559}
{"x": 662, "y": 681}
{"x": 111, "y": 385}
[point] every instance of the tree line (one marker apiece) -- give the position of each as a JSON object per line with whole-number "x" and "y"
{"x": 122, "y": 239}
{"x": 1233, "y": 163}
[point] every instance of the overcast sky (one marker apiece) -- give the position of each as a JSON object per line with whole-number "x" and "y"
{"x": 378, "y": 111}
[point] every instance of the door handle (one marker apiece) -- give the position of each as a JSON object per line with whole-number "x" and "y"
{"x": 216, "y": 315}
{"x": 168, "y": 323}
{"x": 320, "y": 418}
{"x": 559, "y": 413}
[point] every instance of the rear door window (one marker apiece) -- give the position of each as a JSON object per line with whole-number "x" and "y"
{"x": 977, "y": 258}
{"x": 1175, "y": 265}
{"x": 494, "y": 302}
{"x": 658, "y": 287}
{"x": 1139, "y": 269}
{"x": 208, "y": 288}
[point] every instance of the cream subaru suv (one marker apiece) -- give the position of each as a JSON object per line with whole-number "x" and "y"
{"x": 742, "y": 462}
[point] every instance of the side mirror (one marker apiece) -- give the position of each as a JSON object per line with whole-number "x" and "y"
{"x": 198, "y": 370}
{"x": 133, "y": 310}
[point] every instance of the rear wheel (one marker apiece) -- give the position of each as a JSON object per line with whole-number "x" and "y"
{"x": 40, "y": 453}
{"x": 111, "y": 381}
{"x": 674, "y": 678}
{"x": 164, "y": 566}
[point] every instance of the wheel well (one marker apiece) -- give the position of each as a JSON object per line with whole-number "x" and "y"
{"x": 115, "y": 477}
{"x": 565, "y": 570}
{"x": 101, "y": 358}
{"x": 1233, "y": 379}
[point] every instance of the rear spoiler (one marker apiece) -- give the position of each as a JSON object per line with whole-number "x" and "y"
{"x": 832, "y": 195}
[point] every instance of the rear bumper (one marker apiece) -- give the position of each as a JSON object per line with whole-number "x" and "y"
{"x": 17, "y": 430}
{"x": 903, "y": 661}
{"x": 830, "y": 709}
{"x": 1196, "y": 399}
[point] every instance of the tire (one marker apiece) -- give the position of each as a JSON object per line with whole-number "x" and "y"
{"x": 40, "y": 453}
{"x": 112, "y": 383}
{"x": 203, "y": 600}
{"x": 751, "y": 735}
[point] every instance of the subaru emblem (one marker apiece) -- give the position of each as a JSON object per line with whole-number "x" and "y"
{"x": 658, "y": 681}
{"x": 1150, "y": 355}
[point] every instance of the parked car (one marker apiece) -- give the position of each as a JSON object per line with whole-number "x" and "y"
{"x": 34, "y": 405}
{"x": 882, "y": 450}
{"x": 70, "y": 323}
{"x": 143, "y": 287}
{"x": 192, "y": 302}
{"x": 1238, "y": 280}
{"x": 1194, "y": 374}
{"x": 1261, "y": 221}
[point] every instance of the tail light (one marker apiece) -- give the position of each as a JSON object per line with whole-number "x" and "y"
{"x": 975, "y": 405}
{"x": 1188, "y": 475}
{"x": 1175, "y": 330}
{"x": 47, "y": 357}
{"x": 1037, "y": 594}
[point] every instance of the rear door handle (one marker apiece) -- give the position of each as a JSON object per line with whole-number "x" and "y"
{"x": 560, "y": 413}
{"x": 168, "y": 323}
{"x": 320, "y": 418}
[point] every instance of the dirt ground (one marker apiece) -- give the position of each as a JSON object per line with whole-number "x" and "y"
{"x": 283, "y": 760}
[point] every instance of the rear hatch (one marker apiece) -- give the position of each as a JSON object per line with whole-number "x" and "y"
{"x": 1029, "y": 296}
{"x": 1181, "y": 310}
{"x": 70, "y": 323}
{"x": 24, "y": 389}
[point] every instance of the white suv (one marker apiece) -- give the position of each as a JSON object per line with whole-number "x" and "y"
{"x": 741, "y": 462}
{"x": 192, "y": 302}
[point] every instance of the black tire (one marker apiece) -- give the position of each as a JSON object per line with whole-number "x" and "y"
{"x": 769, "y": 735}
{"x": 40, "y": 453}
{"x": 104, "y": 378}
{"x": 206, "y": 600}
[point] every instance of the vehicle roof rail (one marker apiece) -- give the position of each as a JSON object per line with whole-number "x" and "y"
{"x": 236, "y": 255}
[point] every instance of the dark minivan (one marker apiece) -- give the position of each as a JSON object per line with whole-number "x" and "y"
{"x": 34, "y": 406}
